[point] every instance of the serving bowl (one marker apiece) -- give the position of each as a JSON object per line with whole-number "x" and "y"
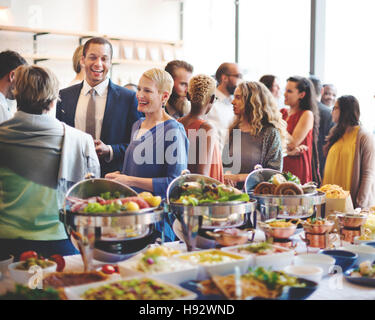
{"x": 25, "y": 276}
{"x": 5, "y": 262}
{"x": 345, "y": 259}
{"x": 318, "y": 229}
{"x": 351, "y": 220}
{"x": 312, "y": 273}
{"x": 370, "y": 243}
{"x": 277, "y": 232}
{"x": 229, "y": 237}
{"x": 323, "y": 261}
{"x": 365, "y": 252}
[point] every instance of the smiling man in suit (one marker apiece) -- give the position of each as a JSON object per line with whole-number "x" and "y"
{"x": 99, "y": 107}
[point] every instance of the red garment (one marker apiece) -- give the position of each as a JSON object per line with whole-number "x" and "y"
{"x": 216, "y": 170}
{"x": 300, "y": 165}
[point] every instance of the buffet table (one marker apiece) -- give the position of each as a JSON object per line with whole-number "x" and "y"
{"x": 332, "y": 287}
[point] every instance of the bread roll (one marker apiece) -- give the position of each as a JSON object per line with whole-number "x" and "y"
{"x": 288, "y": 188}
{"x": 265, "y": 188}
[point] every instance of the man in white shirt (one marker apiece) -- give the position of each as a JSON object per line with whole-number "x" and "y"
{"x": 9, "y": 61}
{"x": 99, "y": 107}
{"x": 221, "y": 115}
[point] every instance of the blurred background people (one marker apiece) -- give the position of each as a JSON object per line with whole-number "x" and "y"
{"x": 77, "y": 66}
{"x": 325, "y": 123}
{"x": 44, "y": 157}
{"x": 272, "y": 83}
{"x": 329, "y": 95}
{"x": 178, "y": 105}
{"x": 204, "y": 152}
{"x": 351, "y": 154}
{"x": 131, "y": 86}
{"x": 262, "y": 129}
{"x": 9, "y": 61}
{"x": 303, "y": 127}
{"x": 221, "y": 115}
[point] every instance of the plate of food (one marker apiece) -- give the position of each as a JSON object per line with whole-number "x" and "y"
{"x": 160, "y": 262}
{"x": 363, "y": 275}
{"x": 258, "y": 283}
{"x": 135, "y": 288}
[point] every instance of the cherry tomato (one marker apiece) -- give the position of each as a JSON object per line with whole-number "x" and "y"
{"x": 27, "y": 255}
{"x": 109, "y": 269}
{"x": 59, "y": 260}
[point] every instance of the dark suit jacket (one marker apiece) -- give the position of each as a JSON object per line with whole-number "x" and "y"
{"x": 325, "y": 125}
{"x": 119, "y": 115}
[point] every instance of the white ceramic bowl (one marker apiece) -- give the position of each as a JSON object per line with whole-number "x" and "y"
{"x": 308, "y": 272}
{"x": 277, "y": 261}
{"x": 205, "y": 271}
{"x": 364, "y": 252}
{"x": 5, "y": 263}
{"x": 358, "y": 241}
{"x": 187, "y": 271}
{"x": 23, "y": 276}
{"x": 315, "y": 259}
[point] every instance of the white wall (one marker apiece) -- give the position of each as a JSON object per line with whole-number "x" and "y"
{"x": 130, "y": 18}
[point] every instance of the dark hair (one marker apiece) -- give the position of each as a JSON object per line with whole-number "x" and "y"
{"x": 317, "y": 84}
{"x": 268, "y": 80}
{"x": 349, "y": 117}
{"x": 309, "y": 102}
{"x": 173, "y": 65}
{"x": 9, "y": 60}
{"x": 223, "y": 69}
{"x": 97, "y": 40}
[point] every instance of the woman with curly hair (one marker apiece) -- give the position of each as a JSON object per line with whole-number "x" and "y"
{"x": 351, "y": 154}
{"x": 261, "y": 128}
{"x": 303, "y": 128}
{"x": 204, "y": 153}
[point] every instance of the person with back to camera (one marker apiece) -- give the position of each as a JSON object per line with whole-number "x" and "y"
{"x": 77, "y": 67}
{"x": 262, "y": 129}
{"x": 204, "y": 153}
{"x": 303, "y": 127}
{"x": 158, "y": 150}
{"x": 44, "y": 157}
{"x": 351, "y": 154}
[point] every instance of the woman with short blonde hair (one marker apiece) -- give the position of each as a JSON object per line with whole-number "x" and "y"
{"x": 77, "y": 67}
{"x": 262, "y": 129}
{"x": 158, "y": 149}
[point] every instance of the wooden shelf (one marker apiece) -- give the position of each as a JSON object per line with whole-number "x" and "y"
{"x": 89, "y": 34}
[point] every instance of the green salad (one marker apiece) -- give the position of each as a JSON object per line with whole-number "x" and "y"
{"x": 195, "y": 193}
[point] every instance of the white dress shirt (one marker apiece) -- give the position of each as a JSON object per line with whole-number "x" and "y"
{"x": 100, "y": 103}
{"x": 5, "y": 111}
{"x": 221, "y": 116}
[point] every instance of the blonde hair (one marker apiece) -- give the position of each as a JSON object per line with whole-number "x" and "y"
{"x": 78, "y": 53}
{"x": 163, "y": 80}
{"x": 201, "y": 88}
{"x": 260, "y": 110}
{"x": 35, "y": 88}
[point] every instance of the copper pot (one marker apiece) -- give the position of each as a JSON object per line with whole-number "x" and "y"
{"x": 318, "y": 229}
{"x": 350, "y": 220}
{"x": 278, "y": 232}
{"x": 349, "y": 235}
{"x": 321, "y": 241}
{"x": 226, "y": 239}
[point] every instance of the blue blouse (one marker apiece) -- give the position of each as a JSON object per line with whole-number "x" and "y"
{"x": 161, "y": 154}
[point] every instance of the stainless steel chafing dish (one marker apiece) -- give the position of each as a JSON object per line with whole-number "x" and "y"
{"x": 208, "y": 216}
{"x": 281, "y": 206}
{"x": 88, "y": 229}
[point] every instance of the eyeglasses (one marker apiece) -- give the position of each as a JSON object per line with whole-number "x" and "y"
{"x": 236, "y": 75}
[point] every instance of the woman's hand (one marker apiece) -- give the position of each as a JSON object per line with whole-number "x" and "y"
{"x": 117, "y": 176}
{"x": 298, "y": 150}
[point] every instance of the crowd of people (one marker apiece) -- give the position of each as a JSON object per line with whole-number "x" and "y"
{"x": 144, "y": 135}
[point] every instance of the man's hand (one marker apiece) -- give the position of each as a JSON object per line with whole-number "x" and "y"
{"x": 102, "y": 150}
{"x": 117, "y": 176}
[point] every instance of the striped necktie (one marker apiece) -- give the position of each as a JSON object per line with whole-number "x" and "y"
{"x": 90, "y": 114}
